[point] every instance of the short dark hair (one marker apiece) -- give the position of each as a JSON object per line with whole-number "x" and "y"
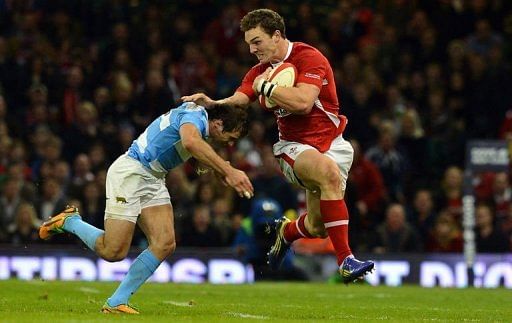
{"x": 267, "y": 19}
{"x": 234, "y": 118}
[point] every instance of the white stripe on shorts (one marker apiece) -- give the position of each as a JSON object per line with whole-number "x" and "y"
{"x": 335, "y": 223}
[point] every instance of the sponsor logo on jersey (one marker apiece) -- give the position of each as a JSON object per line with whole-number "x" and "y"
{"x": 311, "y": 75}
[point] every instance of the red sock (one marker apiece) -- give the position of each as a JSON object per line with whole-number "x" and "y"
{"x": 296, "y": 230}
{"x": 335, "y": 218}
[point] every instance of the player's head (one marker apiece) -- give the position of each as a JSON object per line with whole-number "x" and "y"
{"x": 264, "y": 31}
{"x": 227, "y": 123}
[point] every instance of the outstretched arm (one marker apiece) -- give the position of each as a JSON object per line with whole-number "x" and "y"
{"x": 193, "y": 142}
{"x": 238, "y": 98}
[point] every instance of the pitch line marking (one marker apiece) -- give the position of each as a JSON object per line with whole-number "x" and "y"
{"x": 89, "y": 290}
{"x": 248, "y": 316}
{"x": 181, "y": 304}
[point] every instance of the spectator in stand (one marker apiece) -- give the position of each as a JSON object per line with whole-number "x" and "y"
{"x": 123, "y": 139}
{"x": 205, "y": 193}
{"x": 10, "y": 201}
{"x": 252, "y": 145}
{"x": 391, "y": 162}
{"x": 227, "y": 76}
{"x": 19, "y": 172}
{"x": 449, "y": 197}
{"x": 93, "y": 205}
{"x": 121, "y": 109}
{"x": 62, "y": 174}
{"x": 396, "y": 234}
{"x": 501, "y": 195}
{"x": 437, "y": 117}
{"x": 38, "y": 141}
{"x": 16, "y": 127}
{"x": 121, "y": 38}
{"x": 155, "y": 97}
{"x": 37, "y": 113}
{"x": 489, "y": 237}
{"x": 360, "y": 110}
{"x": 193, "y": 72}
{"x": 221, "y": 220}
{"x": 200, "y": 232}
{"x": 52, "y": 149}
{"x": 224, "y": 32}
{"x": 102, "y": 99}
{"x": 24, "y": 229}
{"x": 369, "y": 190}
{"x": 81, "y": 175}
{"x": 446, "y": 236}
{"x": 74, "y": 92}
{"x": 413, "y": 143}
{"x": 53, "y": 199}
{"x": 98, "y": 157}
{"x": 483, "y": 39}
{"x": 422, "y": 213}
{"x": 5, "y": 147}
{"x": 180, "y": 187}
{"x": 83, "y": 132}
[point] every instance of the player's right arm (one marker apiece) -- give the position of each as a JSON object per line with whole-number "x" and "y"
{"x": 193, "y": 142}
{"x": 238, "y": 99}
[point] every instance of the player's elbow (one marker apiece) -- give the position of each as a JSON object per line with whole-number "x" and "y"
{"x": 303, "y": 108}
{"x": 189, "y": 144}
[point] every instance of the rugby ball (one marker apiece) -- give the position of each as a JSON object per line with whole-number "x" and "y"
{"x": 282, "y": 75}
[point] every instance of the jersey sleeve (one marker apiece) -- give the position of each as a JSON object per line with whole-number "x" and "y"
{"x": 197, "y": 118}
{"x": 246, "y": 86}
{"x": 311, "y": 68}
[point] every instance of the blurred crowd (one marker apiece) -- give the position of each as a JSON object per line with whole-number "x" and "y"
{"x": 79, "y": 80}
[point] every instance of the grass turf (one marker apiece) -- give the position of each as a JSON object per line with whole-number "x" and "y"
{"x": 55, "y": 301}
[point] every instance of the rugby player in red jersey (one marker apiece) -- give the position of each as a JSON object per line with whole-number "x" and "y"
{"x": 311, "y": 150}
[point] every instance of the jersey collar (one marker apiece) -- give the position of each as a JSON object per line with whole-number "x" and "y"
{"x": 288, "y": 52}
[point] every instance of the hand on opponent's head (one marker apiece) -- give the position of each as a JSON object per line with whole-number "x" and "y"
{"x": 200, "y": 99}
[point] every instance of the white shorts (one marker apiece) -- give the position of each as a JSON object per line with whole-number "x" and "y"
{"x": 131, "y": 187}
{"x": 341, "y": 152}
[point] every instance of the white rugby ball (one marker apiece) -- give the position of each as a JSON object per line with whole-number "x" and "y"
{"x": 282, "y": 75}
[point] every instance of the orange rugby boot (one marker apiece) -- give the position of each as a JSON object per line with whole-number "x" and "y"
{"x": 55, "y": 225}
{"x": 119, "y": 309}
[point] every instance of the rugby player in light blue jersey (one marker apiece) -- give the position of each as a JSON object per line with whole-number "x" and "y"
{"x": 136, "y": 191}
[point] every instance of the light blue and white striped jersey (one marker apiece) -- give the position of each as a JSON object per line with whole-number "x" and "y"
{"x": 159, "y": 147}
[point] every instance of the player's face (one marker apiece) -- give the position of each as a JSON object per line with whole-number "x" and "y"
{"x": 220, "y": 136}
{"x": 227, "y": 137}
{"x": 261, "y": 44}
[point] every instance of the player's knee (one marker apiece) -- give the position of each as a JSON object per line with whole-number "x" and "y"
{"x": 164, "y": 248}
{"x": 113, "y": 254}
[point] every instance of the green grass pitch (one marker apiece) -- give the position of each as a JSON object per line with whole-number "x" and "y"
{"x": 55, "y": 301}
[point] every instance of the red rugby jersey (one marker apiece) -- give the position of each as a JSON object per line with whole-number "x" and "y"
{"x": 323, "y": 123}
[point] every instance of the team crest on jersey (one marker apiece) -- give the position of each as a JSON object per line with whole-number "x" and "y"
{"x": 281, "y": 113}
